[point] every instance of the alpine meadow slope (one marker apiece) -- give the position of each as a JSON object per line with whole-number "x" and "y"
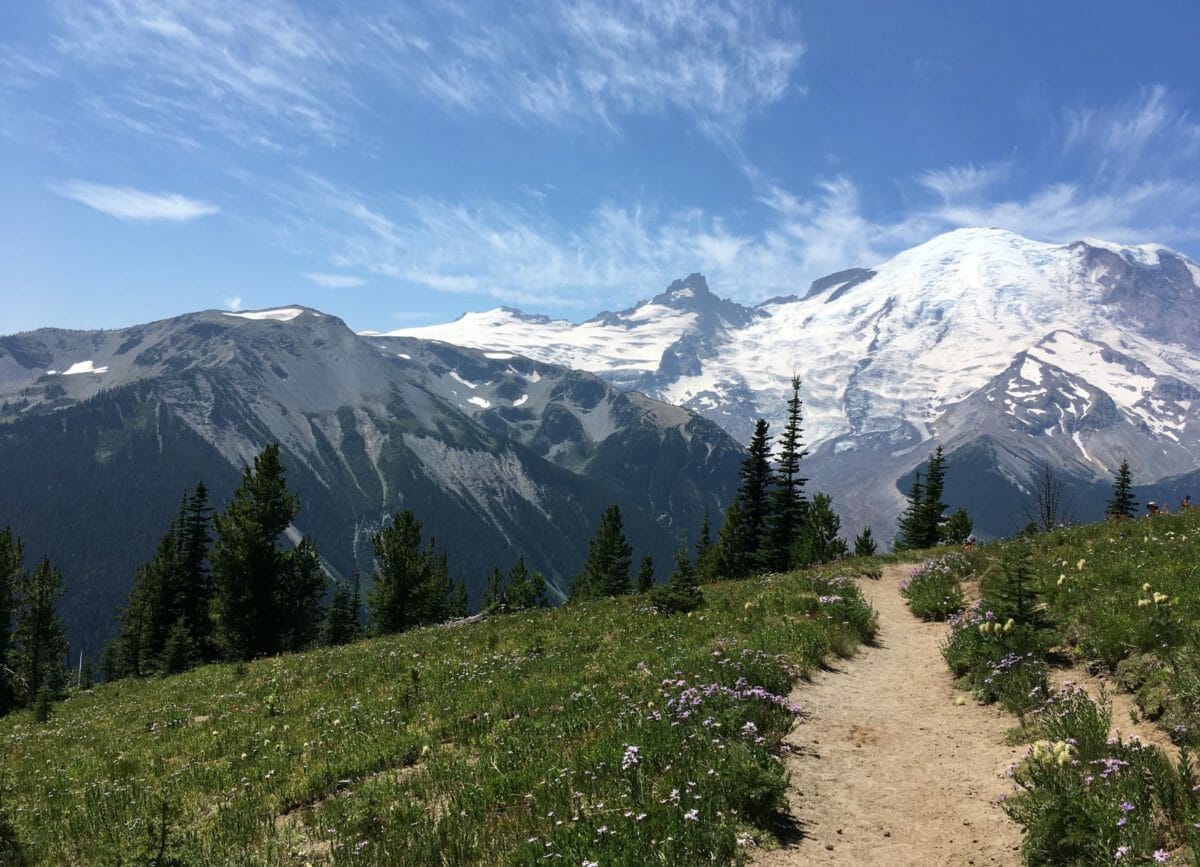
{"x": 1007, "y": 351}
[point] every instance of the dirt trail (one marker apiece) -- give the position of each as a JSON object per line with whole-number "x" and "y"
{"x": 887, "y": 770}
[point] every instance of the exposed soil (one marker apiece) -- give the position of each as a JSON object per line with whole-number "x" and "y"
{"x": 886, "y": 768}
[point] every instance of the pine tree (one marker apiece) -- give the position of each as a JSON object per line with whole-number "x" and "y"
{"x": 179, "y": 651}
{"x": 11, "y": 555}
{"x": 610, "y": 559}
{"x": 495, "y": 595}
{"x": 819, "y": 541}
{"x": 911, "y": 531}
{"x": 1122, "y": 503}
{"x": 958, "y": 528}
{"x": 645, "y": 575}
{"x": 411, "y": 585}
{"x": 788, "y": 503}
{"x": 707, "y": 554}
{"x": 525, "y": 589}
{"x": 264, "y": 599}
{"x": 41, "y": 644}
{"x": 459, "y": 601}
{"x": 341, "y": 618}
{"x": 194, "y": 583}
{"x": 735, "y": 550}
{"x": 933, "y": 509}
{"x": 864, "y": 544}
{"x": 681, "y": 593}
{"x": 754, "y": 492}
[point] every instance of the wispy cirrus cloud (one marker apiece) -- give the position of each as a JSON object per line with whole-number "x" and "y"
{"x": 334, "y": 281}
{"x": 127, "y": 203}
{"x": 275, "y": 74}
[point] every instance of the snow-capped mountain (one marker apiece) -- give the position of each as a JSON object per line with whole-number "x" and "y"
{"x": 1081, "y": 354}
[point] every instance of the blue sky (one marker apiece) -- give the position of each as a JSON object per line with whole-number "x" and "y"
{"x": 399, "y": 163}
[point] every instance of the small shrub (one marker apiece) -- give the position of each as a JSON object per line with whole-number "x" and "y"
{"x": 933, "y": 590}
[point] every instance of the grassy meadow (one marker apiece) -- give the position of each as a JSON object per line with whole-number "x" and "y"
{"x": 1120, "y": 599}
{"x": 603, "y": 732}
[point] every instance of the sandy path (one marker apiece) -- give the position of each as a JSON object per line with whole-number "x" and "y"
{"x": 887, "y": 769}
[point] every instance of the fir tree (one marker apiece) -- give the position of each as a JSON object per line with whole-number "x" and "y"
{"x": 193, "y": 582}
{"x": 933, "y": 509}
{"x": 179, "y": 651}
{"x": 341, "y": 618}
{"x": 525, "y": 589}
{"x": 11, "y": 554}
{"x": 958, "y": 528}
{"x": 459, "y": 600}
{"x": 864, "y": 544}
{"x": 495, "y": 595}
{"x": 681, "y": 593}
{"x": 707, "y": 554}
{"x": 819, "y": 541}
{"x": 1122, "y": 503}
{"x": 787, "y": 503}
{"x": 610, "y": 559}
{"x": 411, "y": 585}
{"x": 754, "y": 493}
{"x": 41, "y": 644}
{"x": 735, "y": 550}
{"x": 911, "y": 531}
{"x": 264, "y": 599}
{"x": 645, "y": 575}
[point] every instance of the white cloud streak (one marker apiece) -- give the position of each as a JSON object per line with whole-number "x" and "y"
{"x": 127, "y": 203}
{"x": 334, "y": 281}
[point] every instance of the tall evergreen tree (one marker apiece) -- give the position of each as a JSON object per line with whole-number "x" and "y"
{"x": 735, "y": 548}
{"x": 958, "y": 528}
{"x": 1122, "y": 503}
{"x": 787, "y": 503}
{"x": 912, "y": 522}
{"x": 681, "y": 593}
{"x": 194, "y": 583}
{"x": 411, "y": 585}
{"x": 11, "y": 555}
{"x": 610, "y": 559}
{"x": 265, "y": 599}
{"x": 864, "y": 544}
{"x": 459, "y": 600}
{"x": 754, "y": 491}
{"x": 341, "y": 618}
{"x": 41, "y": 643}
{"x": 645, "y": 575}
{"x": 707, "y": 554}
{"x": 819, "y": 541}
{"x": 933, "y": 510}
{"x": 525, "y": 589}
{"x": 495, "y": 594}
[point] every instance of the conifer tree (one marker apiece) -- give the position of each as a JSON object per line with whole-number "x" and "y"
{"x": 41, "y": 643}
{"x": 787, "y": 502}
{"x": 459, "y": 601}
{"x": 754, "y": 491}
{"x": 735, "y": 549}
{"x": 179, "y": 651}
{"x": 341, "y": 618}
{"x": 264, "y": 599}
{"x": 933, "y": 509}
{"x": 864, "y": 544}
{"x": 682, "y": 591}
{"x": 645, "y": 575}
{"x": 525, "y": 589}
{"x": 194, "y": 583}
{"x": 707, "y": 555}
{"x": 958, "y": 528}
{"x": 11, "y": 554}
{"x": 411, "y": 585}
{"x": 610, "y": 559}
{"x": 819, "y": 541}
{"x": 911, "y": 531}
{"x": 495, "y": 595}
{"x": 1122, "y": 503}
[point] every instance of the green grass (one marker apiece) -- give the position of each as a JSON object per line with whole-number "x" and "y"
{"x": 504, "y": 741}
{"x": 933, "y": 591}
{"x": 1122, "y": 599}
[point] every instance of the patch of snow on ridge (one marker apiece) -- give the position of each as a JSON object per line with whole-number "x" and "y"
{"x": 281, "y": 314}
{"x": 454, "y": 375}
{"x": 82, "y": 367}
{"x": 481, "y": 402}
{"x": 520, "y": 401}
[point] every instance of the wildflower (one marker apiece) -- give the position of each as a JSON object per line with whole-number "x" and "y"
{"x": 1160, "y": 598}
{"x": 1127, "y": 807}
{"x": 692, "y": 815}
{"x": 631, "y": 758}
{"x": 1160, "y": 856}
{"x": 1146, "y": 587}
{"x": 1121, "y": 852}
{"x": 1079, "y": 566}
{"x": 1009, "y": 626}
{"x": 1143, "y": 603}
